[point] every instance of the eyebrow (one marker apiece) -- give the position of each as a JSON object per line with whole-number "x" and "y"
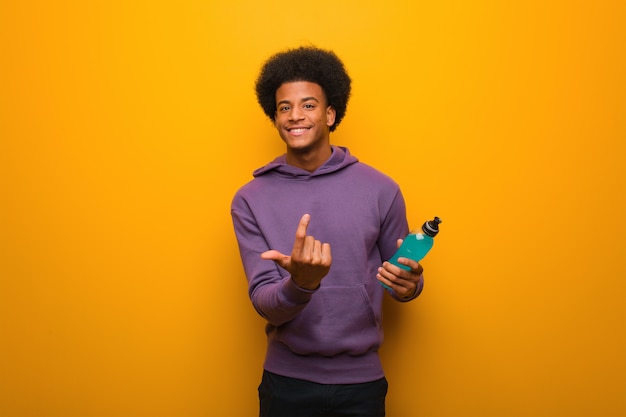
{"x": 302, "y": 100}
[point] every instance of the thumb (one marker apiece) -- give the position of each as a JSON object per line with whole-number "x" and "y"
{"x": 274, "y": 255}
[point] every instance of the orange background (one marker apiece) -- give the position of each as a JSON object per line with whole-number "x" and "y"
{"x": 126, "y": 127}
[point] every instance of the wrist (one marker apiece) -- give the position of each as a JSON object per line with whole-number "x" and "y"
{"x": 304, "y": 286}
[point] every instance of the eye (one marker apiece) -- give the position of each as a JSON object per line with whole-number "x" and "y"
{"x": 283, "y": 108}
{"x": 309, "y": 106}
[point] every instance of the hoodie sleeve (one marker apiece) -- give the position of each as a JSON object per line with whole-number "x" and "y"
{"x": 273, "y": 293}
{"x": 395, "y": 226}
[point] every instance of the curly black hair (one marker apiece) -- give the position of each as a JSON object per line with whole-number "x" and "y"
{"x": 306, "y": 63}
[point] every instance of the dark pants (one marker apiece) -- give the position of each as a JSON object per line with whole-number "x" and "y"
{"x": 281, "y": 396}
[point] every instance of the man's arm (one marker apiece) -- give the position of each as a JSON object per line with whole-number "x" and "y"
{"x": 404, "y": 285}
{"x": 274, "y": 293}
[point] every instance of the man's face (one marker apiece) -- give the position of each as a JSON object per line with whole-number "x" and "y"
{"x": 303, "y": 116}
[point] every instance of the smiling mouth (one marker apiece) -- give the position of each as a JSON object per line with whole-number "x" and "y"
{"x": 298, "y": 129}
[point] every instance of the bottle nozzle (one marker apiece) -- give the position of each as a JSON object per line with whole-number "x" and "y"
{"x": 431, "y": 228}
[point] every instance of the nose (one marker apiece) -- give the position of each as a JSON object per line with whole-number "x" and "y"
{"x": 295, "y": 114}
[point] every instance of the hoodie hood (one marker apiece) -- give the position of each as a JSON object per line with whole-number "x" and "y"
{"x": 339, "y": 159}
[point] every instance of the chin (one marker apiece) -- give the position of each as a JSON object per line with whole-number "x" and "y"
{"x": 299, "y": 145}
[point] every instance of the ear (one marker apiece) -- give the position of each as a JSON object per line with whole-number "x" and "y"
{"x": 330, "y": 115}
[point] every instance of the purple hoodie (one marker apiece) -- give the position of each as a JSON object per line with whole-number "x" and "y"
{"x": 330, "y": 335}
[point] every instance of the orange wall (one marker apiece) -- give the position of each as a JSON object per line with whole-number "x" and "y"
{"x": 126, "y": 127}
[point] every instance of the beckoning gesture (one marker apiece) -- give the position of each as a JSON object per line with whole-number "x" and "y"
{"x": 310, "y": 259}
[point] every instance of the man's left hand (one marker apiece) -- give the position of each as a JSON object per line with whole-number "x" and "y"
{"x": 403, "y": 283}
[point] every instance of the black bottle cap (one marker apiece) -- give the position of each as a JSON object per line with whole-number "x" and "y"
{"x": 431, "y": 228}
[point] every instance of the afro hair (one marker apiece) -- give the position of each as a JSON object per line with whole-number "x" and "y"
{"x": 305, "y": 63}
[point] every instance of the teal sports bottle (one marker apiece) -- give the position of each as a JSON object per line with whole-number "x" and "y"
{"x": 416, "y": 245}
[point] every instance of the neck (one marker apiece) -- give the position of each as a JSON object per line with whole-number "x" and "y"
{"x": 309, "y": 161}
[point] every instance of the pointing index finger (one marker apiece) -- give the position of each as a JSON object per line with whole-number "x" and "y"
{"x": 301, "y": 233}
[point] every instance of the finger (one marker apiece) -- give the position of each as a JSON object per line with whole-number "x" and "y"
{"x": 321, "y": 254}
{"x": 327, "y": 258}
{"x": 399, "y": 242}
{"x": 391, "y": 271}
{"x": 416, "y": 268}
{"x": 274, "y": 255}
{"x": 301, "y": 234}
{"x": 398, "y": 284}
{"x": 317, "y": 252}
{"x": 394, "y": 275}
{"x": 308, "y": 250}
{"x": 384, "y": 273}
{"x": 383, "y": 276}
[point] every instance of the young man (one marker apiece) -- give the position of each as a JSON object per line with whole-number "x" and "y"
{"x": 315, "y": 227}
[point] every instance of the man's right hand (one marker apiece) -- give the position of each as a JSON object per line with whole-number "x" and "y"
{"x": 310, "y": 259}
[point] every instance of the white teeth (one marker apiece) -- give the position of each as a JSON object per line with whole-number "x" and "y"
{"x": 299, "y": 130}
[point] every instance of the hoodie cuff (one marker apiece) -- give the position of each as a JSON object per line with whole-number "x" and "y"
{"x": 294, "y": 294}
